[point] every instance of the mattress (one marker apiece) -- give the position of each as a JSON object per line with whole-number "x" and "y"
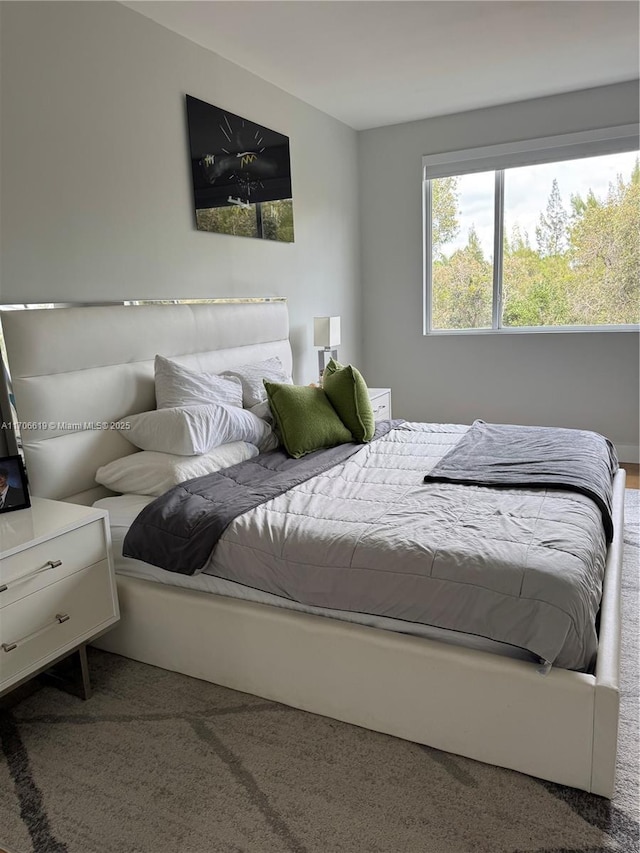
{"x": 122, "y": 511}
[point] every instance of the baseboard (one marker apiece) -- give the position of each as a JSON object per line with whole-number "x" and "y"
{"x": 628, "y": 452}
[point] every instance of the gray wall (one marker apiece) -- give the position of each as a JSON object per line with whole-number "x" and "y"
{"x": 96, "y": 195}
{"x": 583, "y": 380}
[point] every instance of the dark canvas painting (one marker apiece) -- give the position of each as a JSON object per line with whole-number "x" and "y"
{"x": 241, "y": 174}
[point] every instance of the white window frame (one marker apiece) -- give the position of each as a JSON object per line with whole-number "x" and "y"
{"x": 497, "y": 158}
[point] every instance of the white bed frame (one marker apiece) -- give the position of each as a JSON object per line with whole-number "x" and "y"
{"x": 94, "y": 364}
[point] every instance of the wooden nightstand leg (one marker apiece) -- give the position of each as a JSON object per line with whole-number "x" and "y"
{"x": 64, "y": 674}
{"x": 84, "y": 667}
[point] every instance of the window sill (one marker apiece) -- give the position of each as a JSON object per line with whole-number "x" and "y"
{"x": 533, "y": 330}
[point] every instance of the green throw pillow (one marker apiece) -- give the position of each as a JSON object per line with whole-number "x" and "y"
{"x": 306, "y": 419}
{"x": 331, "y": 368}
{"x": 349, "y": 396}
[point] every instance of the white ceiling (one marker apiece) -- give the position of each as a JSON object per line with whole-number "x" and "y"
{"x": 377, "y": 62}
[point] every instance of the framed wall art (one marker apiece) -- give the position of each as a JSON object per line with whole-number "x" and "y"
{"x": 241, "y": 174}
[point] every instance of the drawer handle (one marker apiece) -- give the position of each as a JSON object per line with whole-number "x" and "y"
{"x": 50, "y": 564}
{"x": 60, "y": 618}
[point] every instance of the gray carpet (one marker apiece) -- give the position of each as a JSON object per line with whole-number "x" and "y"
{"x": 157, "y": 762}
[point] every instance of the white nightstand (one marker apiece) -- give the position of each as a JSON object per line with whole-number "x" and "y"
{"x": 381, "y": 402}
{"x": 57, "y": 587}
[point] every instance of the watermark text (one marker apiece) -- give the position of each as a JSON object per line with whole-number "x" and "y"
{"x": 66, "y": 426}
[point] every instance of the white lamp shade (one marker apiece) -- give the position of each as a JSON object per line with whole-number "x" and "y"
{"x": 326, "y": 331}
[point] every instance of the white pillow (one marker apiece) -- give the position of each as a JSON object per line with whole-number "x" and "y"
{"x": 251, "y": 376}
{"x": 263, "y": 411}
{"x": 151, "y": 473}
{"x": 195, "y": 429}
{"x": 177, "y": 385}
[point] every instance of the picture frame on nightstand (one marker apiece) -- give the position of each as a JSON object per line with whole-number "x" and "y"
{"x": 14, "y": 489}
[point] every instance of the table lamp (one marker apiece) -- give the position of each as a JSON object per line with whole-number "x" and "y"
{"x": 326, "y": 334}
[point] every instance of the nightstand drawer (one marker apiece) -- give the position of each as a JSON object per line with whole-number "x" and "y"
{"x": 37, "y": 567}
{"x": 380, "y": 403}
{"x": 381, "y": 409}
{"x": 41, "y": 626}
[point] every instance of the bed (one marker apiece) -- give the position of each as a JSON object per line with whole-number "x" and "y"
{"x": 78, "y": 370}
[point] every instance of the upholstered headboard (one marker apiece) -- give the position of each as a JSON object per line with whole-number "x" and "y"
{"x": 78, "y": 370}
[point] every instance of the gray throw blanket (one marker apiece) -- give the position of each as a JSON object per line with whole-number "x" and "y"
{"x": 179, "y": 530}
{"x": 533, "y": 457}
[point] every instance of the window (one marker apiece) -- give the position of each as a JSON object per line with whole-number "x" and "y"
{"x": 530, "y": 236}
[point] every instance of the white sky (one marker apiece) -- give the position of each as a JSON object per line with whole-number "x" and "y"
{"x": 527, "y": 191}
